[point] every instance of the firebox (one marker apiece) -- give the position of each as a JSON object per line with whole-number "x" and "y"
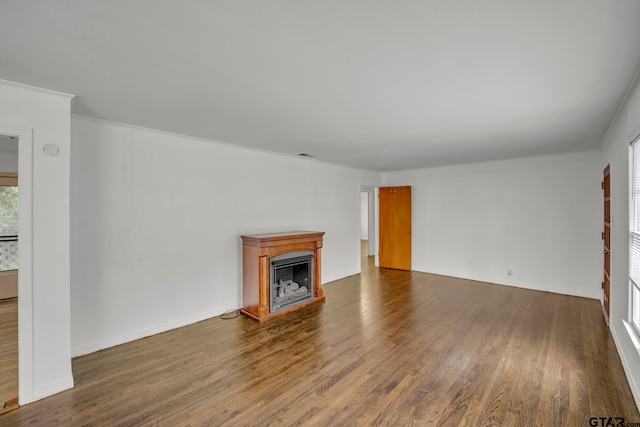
{"x": 291, "y": 279}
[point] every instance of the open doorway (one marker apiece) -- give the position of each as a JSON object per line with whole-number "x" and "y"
{"x": 364, "y": 226}
{"x": 8, "y": 273}
{"x": 367, "y": 226}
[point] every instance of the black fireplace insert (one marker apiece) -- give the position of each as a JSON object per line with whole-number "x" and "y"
{"x": 291, "y": 278}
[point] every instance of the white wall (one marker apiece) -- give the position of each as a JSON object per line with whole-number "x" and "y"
{"x": 8, "y": 161}
{"x": 364, "y": 216}
{"x": 615, "y": 152}
{"x": 44, "y": 313}
{"x": 538, "y": 216}
{"x": 157, "y": 220}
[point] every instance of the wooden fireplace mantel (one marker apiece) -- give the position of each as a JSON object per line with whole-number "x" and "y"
{"x": 257, "y": 251}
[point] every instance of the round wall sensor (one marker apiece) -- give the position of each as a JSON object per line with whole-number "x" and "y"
{"x": 51, "y": 150}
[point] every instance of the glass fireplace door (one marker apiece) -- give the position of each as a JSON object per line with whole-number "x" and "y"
{"x": 291, "y": 280}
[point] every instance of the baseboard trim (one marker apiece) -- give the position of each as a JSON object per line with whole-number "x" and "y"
{"x": 536, "y": 287}
{"x": 52, "y": 388}
{"x": 635, "y": 389}
{"x": 147, "y": 332}
{"x": 340, "y": 276}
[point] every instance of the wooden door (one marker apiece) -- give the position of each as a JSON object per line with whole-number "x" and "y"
{"x": 606, "y": 236}
{"x": 395, "y": 227}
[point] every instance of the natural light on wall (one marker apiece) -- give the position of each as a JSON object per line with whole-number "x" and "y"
{"x": 8, "y": 228}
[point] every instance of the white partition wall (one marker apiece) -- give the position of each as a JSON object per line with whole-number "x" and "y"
{"x": 40, "y": 118}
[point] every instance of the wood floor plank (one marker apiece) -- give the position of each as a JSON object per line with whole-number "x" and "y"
{"x": 8, "y": 355}
{"x": 387, "y": 348}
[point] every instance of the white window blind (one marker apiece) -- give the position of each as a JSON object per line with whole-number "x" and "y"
{"x": 634, "y": 234}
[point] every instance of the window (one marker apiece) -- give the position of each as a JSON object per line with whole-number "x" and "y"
{"x": 8, "y": 235}
{"x": 634, "y": 235}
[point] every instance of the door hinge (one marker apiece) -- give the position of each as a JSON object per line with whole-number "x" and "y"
{"x": 602, "y": 185}
{"x": 602, "y": 285}
{"x": 602, "y": 235}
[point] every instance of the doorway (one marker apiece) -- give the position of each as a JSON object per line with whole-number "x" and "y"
{"x": 8, "y": 273}
{"x": 367, "y": 232}
{"x": 364, "y": 224}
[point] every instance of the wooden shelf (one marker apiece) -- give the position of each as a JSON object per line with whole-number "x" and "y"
{"x": 257, "y": 251}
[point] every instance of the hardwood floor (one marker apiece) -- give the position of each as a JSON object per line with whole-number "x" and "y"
{"x": 387, "y": 348}
{"x": 8, "y": 355}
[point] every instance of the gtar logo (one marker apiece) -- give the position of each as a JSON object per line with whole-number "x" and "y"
{"x": 606, "y": 422}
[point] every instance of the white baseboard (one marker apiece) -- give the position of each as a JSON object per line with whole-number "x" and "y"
{"x": 633, "y": 385}
{"x": 52, "y": 388}
{"x": 533, "y": 287}
{"x": 147, "y": 332}
{"x": 333, "y": 278}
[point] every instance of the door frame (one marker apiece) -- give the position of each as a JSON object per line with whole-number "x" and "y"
{"x": 606, "y": 238}
{"x": 25, "y": 259}
{"x": 371, "y": 218}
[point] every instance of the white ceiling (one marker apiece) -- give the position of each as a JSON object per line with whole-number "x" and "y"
{"x": 375, "y": 84}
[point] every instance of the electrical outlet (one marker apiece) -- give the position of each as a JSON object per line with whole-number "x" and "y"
{"x": 509, "y": 272}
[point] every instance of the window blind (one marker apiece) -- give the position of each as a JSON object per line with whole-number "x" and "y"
{"x": 634, "y": 233}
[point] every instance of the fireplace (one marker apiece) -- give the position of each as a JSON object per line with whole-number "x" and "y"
{"x": 291, "y": 279}
{"x": 280, "y": 273}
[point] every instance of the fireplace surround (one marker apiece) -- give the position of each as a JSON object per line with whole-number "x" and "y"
{"x": 280, "y": 273}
